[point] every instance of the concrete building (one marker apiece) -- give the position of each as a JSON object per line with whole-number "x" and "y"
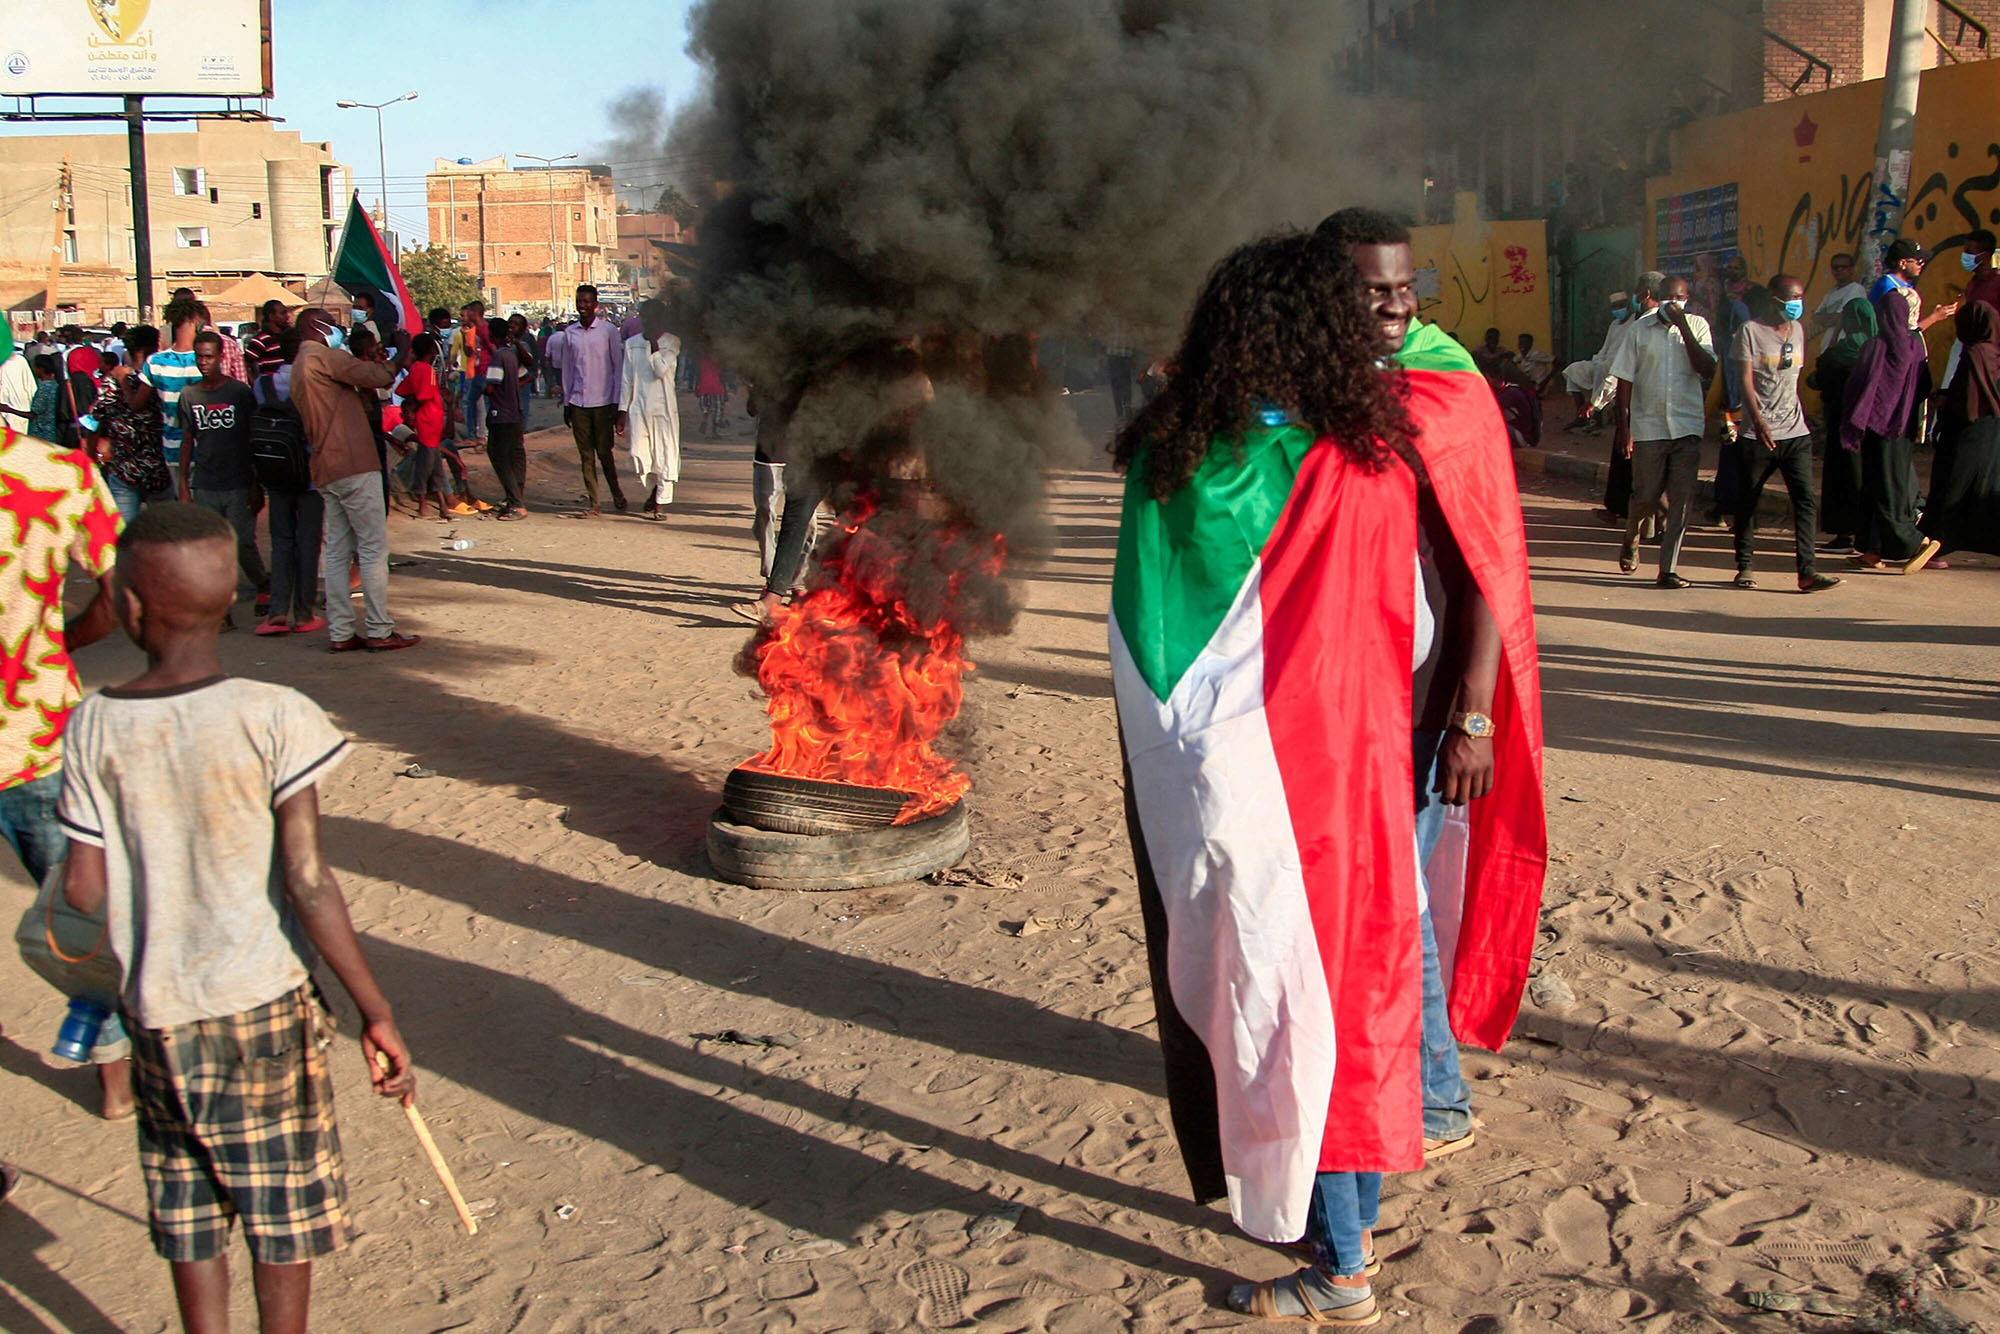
{"x": 228, "y": 199}
{"x": 531, "y": 235}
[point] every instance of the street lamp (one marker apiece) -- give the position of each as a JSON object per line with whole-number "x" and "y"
{"x": 381, "y": 156}
{"x": 548, "y": 165}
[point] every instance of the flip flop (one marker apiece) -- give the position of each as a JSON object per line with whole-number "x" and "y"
{"x": 1744, "y": 580}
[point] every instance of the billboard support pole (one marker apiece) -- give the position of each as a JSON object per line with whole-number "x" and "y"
{"x": 142, "y": 223}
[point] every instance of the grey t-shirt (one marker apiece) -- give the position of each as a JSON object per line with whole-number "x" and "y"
{"x": 1775, "y": 357}
{"x": 180, "y": 789}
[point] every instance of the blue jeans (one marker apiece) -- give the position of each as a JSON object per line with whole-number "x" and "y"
{"x": 28, "y": 821}
{"x": 472, "y": 406}
{"x": 1344, "y": 1206}
{"x": 1447, "y": 1102}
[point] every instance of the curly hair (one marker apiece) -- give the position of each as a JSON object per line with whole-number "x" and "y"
{"x": 1281, "y": 321}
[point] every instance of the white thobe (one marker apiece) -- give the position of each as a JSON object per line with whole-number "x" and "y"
{"x": 652, "y": 413}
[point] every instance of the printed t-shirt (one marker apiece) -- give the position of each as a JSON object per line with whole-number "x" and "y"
{"x": 1775, "y": 357}
{"x": 54, "y": 510}
{"x": 504, "y": 403}
{"x": 216, "y": 425}
{"x": 180, "y": 789}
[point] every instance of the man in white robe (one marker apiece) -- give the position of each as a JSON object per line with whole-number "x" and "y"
{"x": 647, "y": 407}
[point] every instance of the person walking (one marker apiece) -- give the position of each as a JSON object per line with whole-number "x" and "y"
{"x": 1880, "y": 412}
{"x": 1663, "y": 371}
{"x": 1840, "y": 484}
{"x": 1269, "y": 553}
{"x": 647, "y": 406}
{"x": 1770, "y": 352}
{"x": 346, "y": 473}
{"x": 1964, "y": 509}
{"x": 593, "y": 368}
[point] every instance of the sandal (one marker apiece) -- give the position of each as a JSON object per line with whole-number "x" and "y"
{"x": 276, "y": 625}
{"x": 1262, "y": 1302}
{"x": 1743, "y": 580}
{"x": 1628, "y": 559}
{"x": 1672, "y": 581}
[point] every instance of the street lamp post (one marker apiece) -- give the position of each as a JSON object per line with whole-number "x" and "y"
{"x": 549, "y": 166}
{"x": 381, "y": 154}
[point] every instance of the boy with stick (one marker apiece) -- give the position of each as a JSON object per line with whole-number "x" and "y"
{"x": 192, "y": 807}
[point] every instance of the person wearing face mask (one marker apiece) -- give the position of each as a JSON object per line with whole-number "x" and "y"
{"x": 1663, "y": 372}
{"x": 1880, "y": 415}
{"x": 1586, "y": 380}
{"x": 1769, "y": 352}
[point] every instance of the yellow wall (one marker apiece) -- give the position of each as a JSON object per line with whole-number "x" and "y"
{"x": 1804, "y": 175}
{"x": 1474, "y": 275}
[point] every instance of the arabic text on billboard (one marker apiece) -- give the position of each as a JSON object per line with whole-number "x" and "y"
{"x": 133, "y": 47}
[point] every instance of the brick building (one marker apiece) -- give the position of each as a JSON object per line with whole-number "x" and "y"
{"x": 639, "y": 261}
{"x": 500, "y": 221}
{"x": 228, "y": 199}
{"x": 1847, "y": 41}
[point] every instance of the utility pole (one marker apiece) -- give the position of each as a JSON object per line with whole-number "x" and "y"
{"x": 1897, "y": 133}
{"x": 65, "y": 202}
{"x": 142, "y": 218}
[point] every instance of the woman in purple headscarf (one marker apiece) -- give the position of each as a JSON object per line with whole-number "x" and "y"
{"x": 1890, "y": 379}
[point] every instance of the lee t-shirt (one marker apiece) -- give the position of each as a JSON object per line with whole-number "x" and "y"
{"x": 180, "y": 789}
{"x": 215, "y": 424}
{"x": 1775, "y": 357}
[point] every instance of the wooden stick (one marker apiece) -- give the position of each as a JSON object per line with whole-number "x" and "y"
{"x": 437, "y": 1159}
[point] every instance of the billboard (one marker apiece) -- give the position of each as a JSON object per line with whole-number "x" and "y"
{"x": 214, "y": 48}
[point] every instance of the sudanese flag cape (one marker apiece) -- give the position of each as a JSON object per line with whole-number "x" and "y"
{"x": 1262, "y": 624}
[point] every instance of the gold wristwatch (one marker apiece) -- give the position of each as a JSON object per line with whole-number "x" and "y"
{"x": 1475, "y": 725}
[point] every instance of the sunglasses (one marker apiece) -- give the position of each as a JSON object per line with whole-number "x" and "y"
{"x": 1785, "y": 353}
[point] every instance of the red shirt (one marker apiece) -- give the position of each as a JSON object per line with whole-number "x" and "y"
{"x": 423, "y": 407}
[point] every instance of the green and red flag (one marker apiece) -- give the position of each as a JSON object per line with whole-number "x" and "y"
{"x": 1263, "y": 624}
{"x": 364, "y": 264}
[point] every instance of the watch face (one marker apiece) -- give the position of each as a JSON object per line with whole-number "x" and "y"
{"x": 1475, "y": 725}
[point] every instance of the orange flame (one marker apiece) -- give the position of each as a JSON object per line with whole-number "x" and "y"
{"x": 859, "y": 682}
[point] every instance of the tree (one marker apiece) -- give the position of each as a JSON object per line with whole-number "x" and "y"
{"x": 436, "y": 279}
{"x": 672, "y": 201}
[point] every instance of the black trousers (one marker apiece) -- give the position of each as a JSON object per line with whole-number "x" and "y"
{"x": 509, "y": 458}
{"x": 1889, "y": 497}
{"x": 794, "y": 530}
{"x": 1118, "y": 369}
{"x": 297, "y": 518}
{"x": 1618, "y": 486}
{"x": 1793, "y": 459}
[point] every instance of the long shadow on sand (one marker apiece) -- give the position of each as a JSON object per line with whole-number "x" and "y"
{"x": 547, "y": 1049}
{"x": 735, "y": 957}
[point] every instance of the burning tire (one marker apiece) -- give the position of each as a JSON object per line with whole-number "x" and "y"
{"x": 764, "y": 859}
{"x": 804, "y": 806}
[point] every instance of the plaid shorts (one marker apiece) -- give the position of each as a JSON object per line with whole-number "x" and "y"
{"x": 236, "y": 1121}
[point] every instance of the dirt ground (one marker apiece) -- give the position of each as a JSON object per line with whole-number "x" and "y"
{"x": 1773, "y": 833}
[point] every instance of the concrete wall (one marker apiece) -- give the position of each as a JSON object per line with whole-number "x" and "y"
{"x": 1473, "y": 275}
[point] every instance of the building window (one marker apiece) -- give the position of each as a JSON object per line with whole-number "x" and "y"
{"x": 189, "y": 181}
{"x": 69, "y": 247}
{"x": 465, "y": 217}
{"x": 191, "y": 238}
{"x": 256, "y": 210}
{"x": 131, "y": 246}
{"x": 463, "y": 256}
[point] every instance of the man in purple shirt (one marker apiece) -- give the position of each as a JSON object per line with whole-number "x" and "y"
{"x": 593, "y": 361}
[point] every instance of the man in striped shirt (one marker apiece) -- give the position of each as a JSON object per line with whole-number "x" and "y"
{"x": 172, "y": 369}
{"x": 263, "y": 353}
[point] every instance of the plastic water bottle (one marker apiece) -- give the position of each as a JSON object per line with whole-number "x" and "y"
{"x": 79, "y": 1029}
{"x": 463, "y": 544}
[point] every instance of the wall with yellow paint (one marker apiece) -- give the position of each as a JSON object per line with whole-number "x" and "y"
{"x": 1474, "y": 275}
{"x": 1803, "y": 173}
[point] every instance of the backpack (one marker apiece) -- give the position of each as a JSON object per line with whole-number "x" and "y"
{"x": 279, "y": 456}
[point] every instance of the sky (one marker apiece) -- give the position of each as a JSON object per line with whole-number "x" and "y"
{"x": 492, "y": 77}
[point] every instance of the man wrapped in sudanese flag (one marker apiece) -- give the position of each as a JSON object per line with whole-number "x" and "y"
{"x": 1313, "y": 454}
